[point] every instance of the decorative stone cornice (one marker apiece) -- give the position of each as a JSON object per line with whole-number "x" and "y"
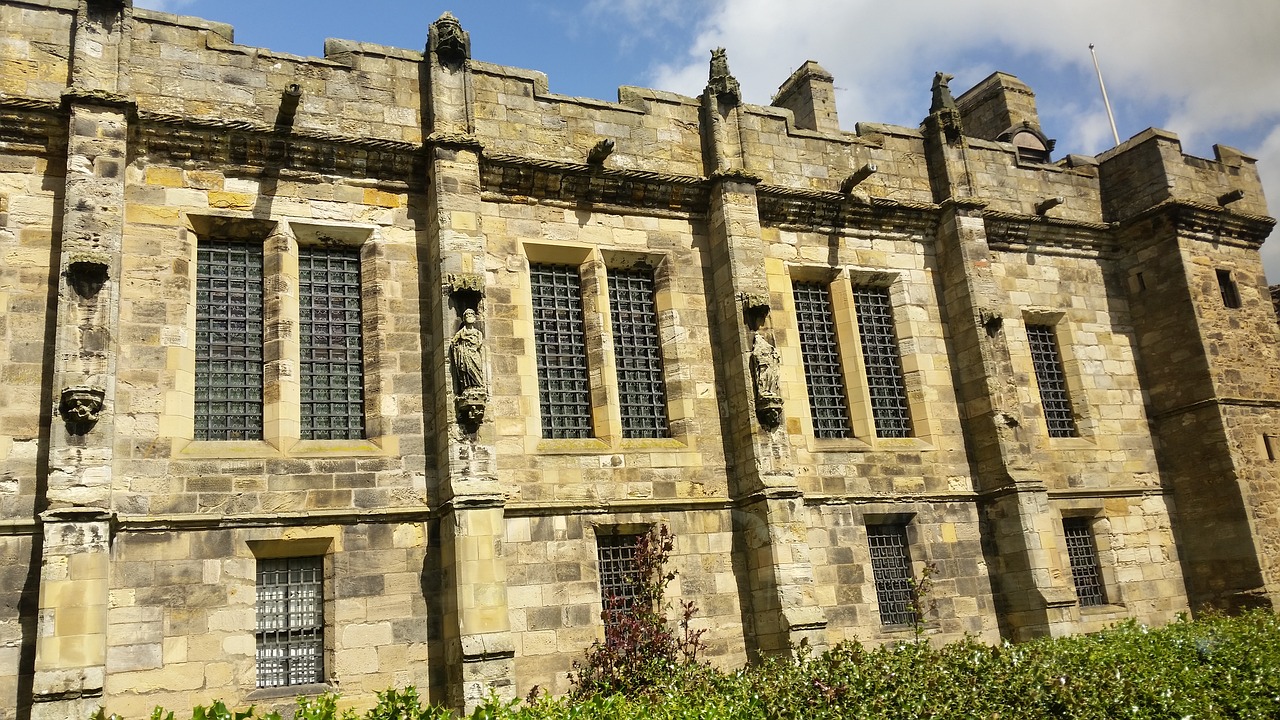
{"x": 178, "y": 139}
{"x": 1224, "y": 225}
{"x": 455, "y": 141}
{"x": 819, "y": 210}
{"x": 1013, "y": 232}
{"x": 81, "y": 96}
{"x": 516, "y": 177}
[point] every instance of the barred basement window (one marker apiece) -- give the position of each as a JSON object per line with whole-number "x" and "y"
{"x": 619, "y": 577}
{"x": 891, "y": 569}
{"x": 229, "y": 361}
{"x": 290, "y": 621}
{"x": 828, "y": 402}
{"x": 1052, "y": 381}
{"x": 1084, "y": 561}
{"x": 564, "y": 388}
{"x": 638, "y": 354}
{"x": 332, "y": 370}
{"x": 883, "y": 364}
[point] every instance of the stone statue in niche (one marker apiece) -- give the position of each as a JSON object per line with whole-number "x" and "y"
{"x": 80, "y": 406}
{"x": 466, "y": 352}
{"x": 765, "y": 366}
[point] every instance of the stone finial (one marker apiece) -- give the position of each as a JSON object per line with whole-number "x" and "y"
{"x": 720, "y": 81}
{"x": 600, "y": 152}
{"x": 944, "y": 106}
{"x": 79, "y": 406}
{"x": 447, "y": 39}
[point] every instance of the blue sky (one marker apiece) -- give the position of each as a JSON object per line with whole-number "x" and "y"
{"x": 1208, "y": 71}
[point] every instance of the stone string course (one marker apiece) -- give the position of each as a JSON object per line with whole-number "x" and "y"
{"x": 460, "y": 557}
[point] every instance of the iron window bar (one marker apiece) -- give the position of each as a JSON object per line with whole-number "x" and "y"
{"x": 828, "y": 401}
{"x": 290, "y": 620}
{"x": 638, "y": 354}
{"x": 332, "y": 366}
{"x": 564, "y": 389}
{"x": 1083, "y": 556}
{"x": 891, "y": 570}
{"x": 619, "y": 577}
{"x": 882, "y": 362}
{"x": 229, "y": 323}
{"x": 1052, "y": 381}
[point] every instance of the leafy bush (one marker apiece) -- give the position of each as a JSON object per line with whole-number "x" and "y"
{"x": 640, "y": 652}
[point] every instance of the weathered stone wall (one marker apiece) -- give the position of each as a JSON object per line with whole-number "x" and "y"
{"x": 461, "y": 556}
{"x": 182, "y": 617}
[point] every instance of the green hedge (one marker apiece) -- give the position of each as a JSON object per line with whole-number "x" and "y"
{"x": 1216, "y": 667}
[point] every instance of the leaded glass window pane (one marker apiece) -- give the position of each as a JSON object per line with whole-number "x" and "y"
{"x": 828, "y": 402}
{"x": 883, "y": 364}
{"x": 1052, "y": 381}
{"x": 332, "y": 368}
{"x": 290, "y": 613}
{"x": 891, "y": 570}
{"x": 619, "y": 576}
{"x": 228, "y": 341}
{"x": 564, "y": 388}
{"x": 638, "y": 354}
{"x": 1083, "y": 556}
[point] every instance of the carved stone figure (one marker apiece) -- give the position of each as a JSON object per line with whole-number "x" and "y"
{"x": 600, "y": 152}
{"x": 466, "y": 351}
{"x": 720, "y": 81}
{"x": 80, "y": 406}
{"x": 765, "y": 363}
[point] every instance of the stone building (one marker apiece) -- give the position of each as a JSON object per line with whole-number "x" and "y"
{"x": 366, "y": 370}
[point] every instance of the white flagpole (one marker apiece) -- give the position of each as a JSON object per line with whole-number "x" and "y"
{"x": 1105, "y": 101}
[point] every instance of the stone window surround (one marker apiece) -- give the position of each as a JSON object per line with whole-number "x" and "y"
{"x": 1102, "y": 544}
{"x": 1064, "y": 334}
{"x": 841, "y": 282}
{"x": 282, "y": 390}
{"x": 323, "y": 545}
{"x": 593, "y": 264}
{"x": 917, "y": 554}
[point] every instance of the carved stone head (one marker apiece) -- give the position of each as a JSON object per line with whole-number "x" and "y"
{"x": 769, "y": 411}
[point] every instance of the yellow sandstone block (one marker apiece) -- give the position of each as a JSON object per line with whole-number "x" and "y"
{"x": 230, "y": 200}
{"x": 164, "y": 176}
{"x": 152, "y": 215}
{"x": 381, "y": 199}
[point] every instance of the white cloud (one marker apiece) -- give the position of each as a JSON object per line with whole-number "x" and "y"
{"x": 1199, "y": 69}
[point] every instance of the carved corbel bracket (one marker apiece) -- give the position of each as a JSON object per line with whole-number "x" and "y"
{"x": 87, "y": 272}
{"x": 737, "y": 175}
{"x": 80, "y": 406}
{"x": 470, "y": 406}
{"x": 755, "y": 307}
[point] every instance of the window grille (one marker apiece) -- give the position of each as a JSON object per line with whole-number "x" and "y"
{"x": 290, "y": 621}
{"x": 564, "y": 388}
{"x": 828, "y": 403}
{"x": 332, "y": 370}
{"x": 1084, "y": 561}
{"x": 1052, "y": 381}
{"x": 891, "y": 569}
{"x": 882, "y": 361}
{"x": 228, "y": 341}
{"x": 638, "y": 354}
{"x": 1227, "y": 286}
{"x": 619, "y": 577}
